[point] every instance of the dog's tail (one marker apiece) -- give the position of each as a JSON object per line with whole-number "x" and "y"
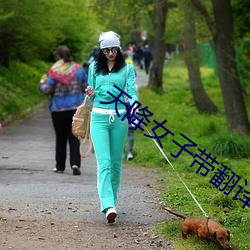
{"x": 175, "y": 213}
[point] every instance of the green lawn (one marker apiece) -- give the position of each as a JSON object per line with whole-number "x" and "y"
{"x": 175, "y": 104}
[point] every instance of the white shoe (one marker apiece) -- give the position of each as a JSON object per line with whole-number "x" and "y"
{"x": 129, "y": 156}
{"x": 76, "y": 170}
{"x": 58, "y": 171}
{"x": 111, "y": 214}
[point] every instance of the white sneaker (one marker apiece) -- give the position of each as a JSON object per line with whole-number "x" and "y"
{"x": 76, "y": 170}
{"x": 129, "y": 156}
{"x": 111, "y": 214}
{"x": 58, "y": 171}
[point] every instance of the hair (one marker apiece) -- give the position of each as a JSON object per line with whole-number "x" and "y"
{"x": 64, "y": 53}
{"x": 125, "y": 55}
{"x": 102, "y": 67}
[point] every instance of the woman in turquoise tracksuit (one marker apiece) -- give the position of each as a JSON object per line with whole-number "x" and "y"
{"x": 107, "y": 129}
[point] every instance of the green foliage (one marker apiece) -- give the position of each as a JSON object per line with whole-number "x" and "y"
{"x": 128, "y": 18}
{"x": 175, "y": 25}
{"x": 29, "y": 33}
{"x": 230, "y": 145}
{"x": 19, "y": 87}
{"x": 241, "y": 17}
{"x": 243, "y": 59}
{"x": 176, "y": 18}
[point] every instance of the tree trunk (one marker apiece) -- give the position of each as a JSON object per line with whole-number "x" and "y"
{"x": 201, "y": 99}
{"x": 159, "y": 47}
{"x": 223, "y": 38}
{"x": 235, "y": 108}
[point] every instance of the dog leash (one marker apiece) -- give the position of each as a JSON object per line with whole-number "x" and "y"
{"x": 178, "y": 175}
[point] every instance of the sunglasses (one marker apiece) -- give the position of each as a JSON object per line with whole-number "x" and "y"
{"x": 106, "y": 51}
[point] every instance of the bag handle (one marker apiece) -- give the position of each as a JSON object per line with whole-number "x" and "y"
{"x": 85, "y": 139}
{"x": 91, "y": 148}
{"x": 85, "y": 99}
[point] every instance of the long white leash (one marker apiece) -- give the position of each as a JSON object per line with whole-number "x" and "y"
{"x": 178, "y": 174}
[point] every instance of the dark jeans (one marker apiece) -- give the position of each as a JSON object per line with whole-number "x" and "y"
{"x": 130, "y": 139}
{"x": 62, "y": 122}
{"x": 147, "y": 65}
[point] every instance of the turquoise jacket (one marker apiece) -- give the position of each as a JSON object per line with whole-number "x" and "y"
{"x": 124, "y": 79}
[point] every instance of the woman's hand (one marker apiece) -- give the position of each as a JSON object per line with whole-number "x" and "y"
{"x": 134, "y": 111}
{"x": 90, "y": 91}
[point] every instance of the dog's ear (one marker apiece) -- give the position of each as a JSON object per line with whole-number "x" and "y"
{"x": 214, "y": 235}
{"x": 228, "y": 237}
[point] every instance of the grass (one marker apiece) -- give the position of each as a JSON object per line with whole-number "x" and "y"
{"x": 19, "y": 88}
{"x": 175, "y": 104}
{"x": 231, "y": 146}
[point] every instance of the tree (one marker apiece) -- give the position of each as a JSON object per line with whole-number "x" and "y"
{"x": 28, "y": 33}
{"x": 159, "y": 44}
{"x": 126, "y": 17}
{"x": 223, "y": 38}
{"x": 242, "y": 33}
{"x": 201, "y": 99}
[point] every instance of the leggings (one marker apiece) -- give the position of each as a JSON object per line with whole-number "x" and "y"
{"x": 108, "y": 138}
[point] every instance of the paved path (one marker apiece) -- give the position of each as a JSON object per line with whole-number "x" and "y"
{"x": 141, "y": 78}
{"x": 26, "y": 163}
{"x": 31, "y": 191}
{"x": 27, "y": 160}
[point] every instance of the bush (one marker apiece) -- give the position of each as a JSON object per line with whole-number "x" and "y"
{"x": 231, "y": 146}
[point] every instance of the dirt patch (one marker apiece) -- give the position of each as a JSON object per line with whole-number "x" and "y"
{"x": 50, "y": 234}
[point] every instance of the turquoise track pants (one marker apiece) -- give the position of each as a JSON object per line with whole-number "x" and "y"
{"x": 108, "y": 136}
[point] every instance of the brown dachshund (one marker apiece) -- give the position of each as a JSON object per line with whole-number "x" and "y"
{"x": 204, "y": 228}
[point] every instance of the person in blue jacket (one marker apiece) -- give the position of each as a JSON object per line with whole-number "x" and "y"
{"x": 65, "y": 83}
{"x": 108, "y": 130}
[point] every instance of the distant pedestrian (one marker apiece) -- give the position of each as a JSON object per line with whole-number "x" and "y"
{"x": 138, "y": 56}
{"x": 65, "y": 84}
{"x": 107, "y": 129}
{"x": 131, "y": 128}
{"x": 93, "y": 55}
{"x": 131, "y": 135}
{"x": 147, "y": 54}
